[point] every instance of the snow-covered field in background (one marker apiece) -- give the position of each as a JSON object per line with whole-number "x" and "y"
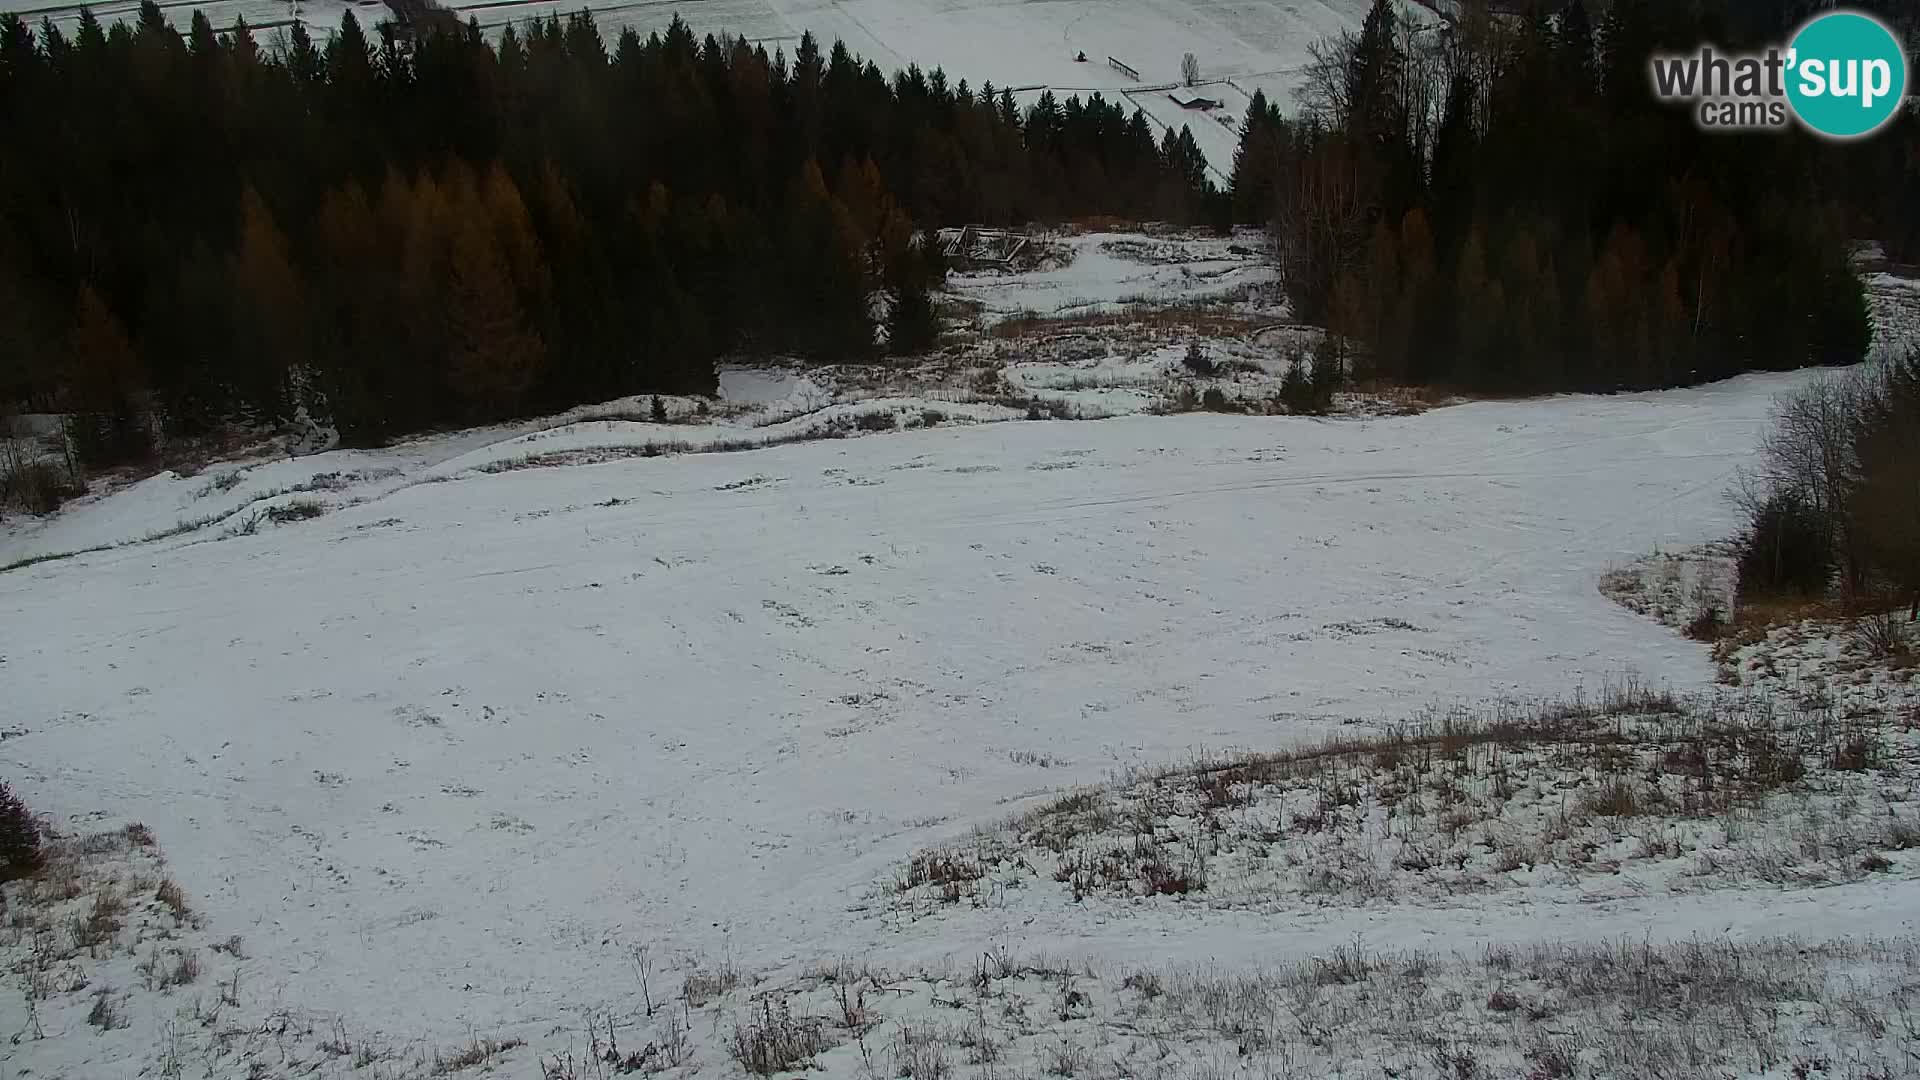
{"x": 1104, "y": 271}
{"x": 446, "y": 756}
{"x": 1016, "y": 44}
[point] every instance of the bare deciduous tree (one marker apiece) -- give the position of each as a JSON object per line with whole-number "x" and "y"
{"x": 1320, "y": 231}
{"x": 1845, "y": 452}
{"x": 1189, "y": 69}
{"x": 1808, "y": 456}
{"x": 1323, "y": 88}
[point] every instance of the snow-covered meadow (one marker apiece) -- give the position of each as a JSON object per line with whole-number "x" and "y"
{"x": 446, "y": 757}
{"x": 492, "y": 736}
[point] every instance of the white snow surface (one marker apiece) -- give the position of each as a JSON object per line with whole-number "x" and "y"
{"x": 754, "y": 406}
{"x": 444, "y": 755}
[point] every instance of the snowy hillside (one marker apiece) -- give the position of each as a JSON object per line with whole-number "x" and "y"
{"x": 527, "y": 740}
{"x": 1021, "y": 44}
{"x": 446, "y": 757}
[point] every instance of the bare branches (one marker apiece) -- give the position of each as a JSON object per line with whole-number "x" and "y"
{"x": 1323, "y": 91}
{"x": 1843, "y": 453}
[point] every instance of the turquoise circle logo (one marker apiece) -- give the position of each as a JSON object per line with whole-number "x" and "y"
{"x": 1848, "y": 75}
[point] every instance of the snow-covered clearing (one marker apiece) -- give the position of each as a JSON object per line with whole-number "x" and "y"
{"x": 445, "y": 758}
{"x": 1098, "y": 273}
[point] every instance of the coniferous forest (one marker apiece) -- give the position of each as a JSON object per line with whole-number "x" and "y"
{"x": 206, "y": 230}
{"x": 435, "y": 229}
{"x": 1513, "y": 212}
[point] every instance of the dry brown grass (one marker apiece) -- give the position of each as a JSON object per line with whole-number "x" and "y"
{"x": 105, "y": 1015}
{"x": 1209, "y": 320}
{"x": 477, "y": 1051}
{"x": 705, "y": 985}
{"x": 1413, "y": 400}
{"x": 184, "y": 970}
{"x": 1703, "y": 791}
{"x": 101, "y": 924}
{"x": 1638, "y": 1006}
{"x": 175, "y": 898}
{"x": 1094, "y": 223}
{"x": 1796, "y": 620}
{"x": 1559, "y": 723}
{"x": 777, "y": 1041}
{"x": 1754, "y": 618}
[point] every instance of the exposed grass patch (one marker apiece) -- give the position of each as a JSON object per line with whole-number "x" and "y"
{"x": 1206, "y": 319}
{"x": 1774, "y": 1007}
{"x": 182, "y": 970}
{"x": 175, "y": 898}
{"x": 774, "y": 1040}
{"x": 703, "y": 986}
{"x": 1693, "y": 793}
{"x": 105, "y": 1013}
{"x": 477, "y": 1051}
{"x": 296, "y": 510}
{"x": 220, "y": 484}
{"x": 100, "y": 925}
{"x": 36, "y": 487}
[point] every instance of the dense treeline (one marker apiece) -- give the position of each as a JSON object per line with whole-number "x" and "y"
{"x": 398, "y": 231}
{"x": 1505, "y": 206}
{"x": 403, "y": 231}
{"x": 1835, "y": 497}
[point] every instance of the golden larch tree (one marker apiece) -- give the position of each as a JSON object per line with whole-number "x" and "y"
{"x": 493, "y": 357}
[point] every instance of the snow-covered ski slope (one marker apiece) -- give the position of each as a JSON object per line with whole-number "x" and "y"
{"x": 444, "y": 756}
{"x": 1242, "y": 45}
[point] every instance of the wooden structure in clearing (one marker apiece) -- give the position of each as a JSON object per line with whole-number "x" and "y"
{"x": 411, "y": 18}
{"x": 975, "y": 248}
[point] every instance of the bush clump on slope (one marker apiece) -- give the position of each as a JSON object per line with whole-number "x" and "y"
{"x": 20, "y": 854}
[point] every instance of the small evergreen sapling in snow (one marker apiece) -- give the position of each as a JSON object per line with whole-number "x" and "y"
{"x": 1307, "y": 389}
{"x": 1196, "y": 360}
{"x": 912, "y": 326}
{"x": 1296, "y": 385}
{"x": 659, "y": 410}
{"x": 1329, "y": 372}
{"x": 20, "y": 854}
